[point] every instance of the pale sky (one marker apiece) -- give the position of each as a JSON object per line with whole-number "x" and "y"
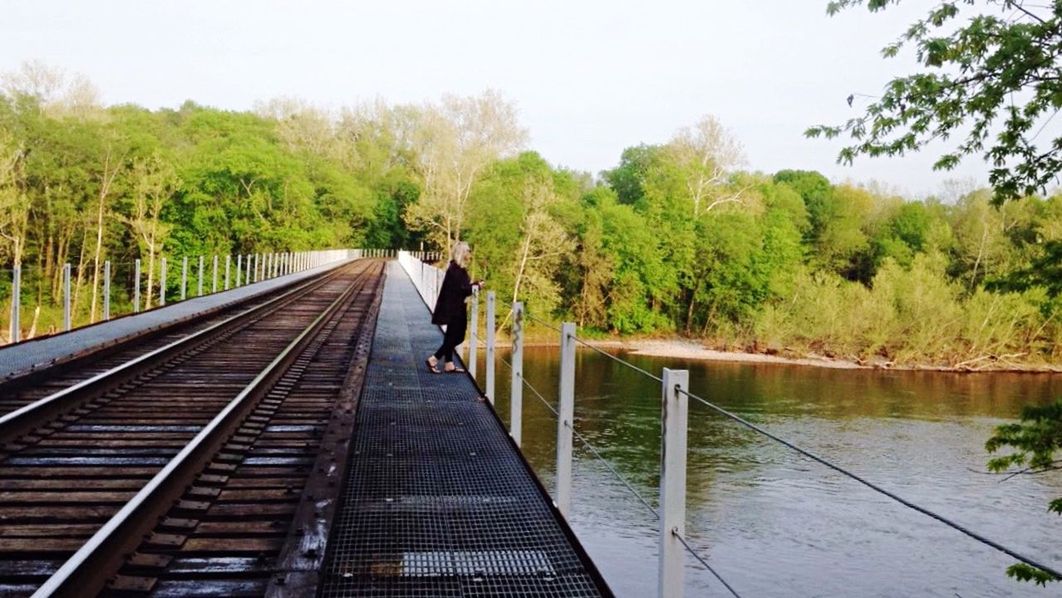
{"x": 589, "y": 77}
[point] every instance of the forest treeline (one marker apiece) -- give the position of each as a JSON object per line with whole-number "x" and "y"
{"x": 677, "y": 238}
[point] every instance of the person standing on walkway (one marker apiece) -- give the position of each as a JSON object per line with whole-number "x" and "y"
{"x": 450, "y": 308}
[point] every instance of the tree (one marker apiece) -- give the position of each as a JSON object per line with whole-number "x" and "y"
{"x": 154, "y": 182}
{"x": 14, "y": 204}
{"x": 1034, "y": 440}
{"x": 455, "y": 142}
{"x": 628, "y": 179}
{"x": 993, "y": 81}
{"x": 707, "y": 154}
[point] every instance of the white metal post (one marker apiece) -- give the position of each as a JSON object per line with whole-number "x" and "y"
{"x": 66, "y": 297}
{"x": 228, "y": 269}
{"x": 184, "y": 278}
{"x": 473, "y": 335}
{"x": 516, "y": 394}
{"x": 199, "y": 292}
{"x": 162, "y": 282}
{"x": 674, "y": 418}
{"x": 490, "y": 346}
{"x": 239, "y": 265}
{"x": 106, "y": 290}
{"x": 565, "y": 419}
{"x": 16, "y": 304}
{"x": 136, "y": 286}
{"x": 214, "y": 276}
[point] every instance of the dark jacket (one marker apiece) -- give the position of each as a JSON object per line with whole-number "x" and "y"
{"x": 450, "y": 306}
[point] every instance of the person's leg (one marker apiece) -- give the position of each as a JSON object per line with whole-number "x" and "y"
{"x": 433, "y": 360}
{"x": 455, "y": 333}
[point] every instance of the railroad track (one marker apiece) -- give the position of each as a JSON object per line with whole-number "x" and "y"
{"x": 190, "y": 469}
{"x": 24, "y": 388}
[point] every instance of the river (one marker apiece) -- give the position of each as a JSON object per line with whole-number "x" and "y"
{"x": 773, "y": 523}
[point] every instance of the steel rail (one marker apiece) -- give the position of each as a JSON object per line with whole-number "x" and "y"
{"x": 25, "y": 418}
{"x": 85, "y": 572}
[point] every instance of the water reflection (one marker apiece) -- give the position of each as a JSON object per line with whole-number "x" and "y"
{"x": 776, "y": 524}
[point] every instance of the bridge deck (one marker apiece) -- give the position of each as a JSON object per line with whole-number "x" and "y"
{"x": 438, "y": 500}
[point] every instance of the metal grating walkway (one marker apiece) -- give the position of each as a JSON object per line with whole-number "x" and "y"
{"x": 438, "y": 501}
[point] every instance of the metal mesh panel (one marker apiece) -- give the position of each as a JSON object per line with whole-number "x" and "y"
{"x": 437, "y": 502}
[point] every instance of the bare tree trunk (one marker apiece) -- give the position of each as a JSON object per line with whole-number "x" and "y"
{"x": 33, "y": 325}
{"x": 80, "y": 273}
{"x": 60, "y": 258}
{"x": 96, "y": 259}
{"x": 109, "y": 173}
{"x": 523, "y": 264}
{"x": 48, "y": 254}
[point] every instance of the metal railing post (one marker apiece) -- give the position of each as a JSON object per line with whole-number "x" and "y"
{"x": 228, "y": 268}
{"x": 184, "y": 278}
{"x": 516, "y": 394}
{"x": 490, "y": 346}
{"x": 16, "y": 304}
{"x": 674, "y": 423}
{"x": 66, "y": 297}
{"x": 136, "y": 286}
{"x": 214, "y": 276}
{"x": 106, "y": 290}
{"x": 162, "y": 282}
{"x": 199, "y": 290}
{"x": 239, "y": 266}
{"x": 565, "y": 418}
{"x": 473, "y": 335}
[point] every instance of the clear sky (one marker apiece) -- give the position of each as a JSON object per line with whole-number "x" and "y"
{"x": 590, "y": 77}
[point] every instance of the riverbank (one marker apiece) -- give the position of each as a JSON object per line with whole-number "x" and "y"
{"x": 680, "y": 348}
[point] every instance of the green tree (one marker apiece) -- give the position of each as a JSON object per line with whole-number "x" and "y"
{"x": 993, "y": 81}
{"x": 1034, "y": 442}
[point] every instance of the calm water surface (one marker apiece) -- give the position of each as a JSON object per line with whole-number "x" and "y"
{"x": 775, "y": 524}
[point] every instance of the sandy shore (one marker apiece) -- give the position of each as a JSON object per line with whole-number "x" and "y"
{"x": 683, "y": 349}
{"x": 679, "y": 348}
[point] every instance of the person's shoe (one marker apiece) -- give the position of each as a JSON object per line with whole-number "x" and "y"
{"x": 431, "y": 363}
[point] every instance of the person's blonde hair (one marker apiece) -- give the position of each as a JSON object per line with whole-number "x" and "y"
{"x": 460, "y": 253}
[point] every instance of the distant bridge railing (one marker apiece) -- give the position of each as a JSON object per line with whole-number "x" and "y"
{"x": 173, "y": 279}
{"x": 674, "y": 403}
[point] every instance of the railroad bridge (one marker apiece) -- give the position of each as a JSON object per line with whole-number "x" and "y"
{"x": 280, "y": 438}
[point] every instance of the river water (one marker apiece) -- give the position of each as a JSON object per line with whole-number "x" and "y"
{"x": 773, "y": 523}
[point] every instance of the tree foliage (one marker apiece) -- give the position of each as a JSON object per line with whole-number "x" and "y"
{"x": 1034, "y": 441}
{"x": 991, "y": 80}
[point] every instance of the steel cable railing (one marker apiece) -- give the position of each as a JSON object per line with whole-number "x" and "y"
{"x": 619, "y": 477}
{"x": 597, "y": 350}
{"x": 593, "y": 450}
{"x": 822, "y": 461}
{"x": 875, "y": 487}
